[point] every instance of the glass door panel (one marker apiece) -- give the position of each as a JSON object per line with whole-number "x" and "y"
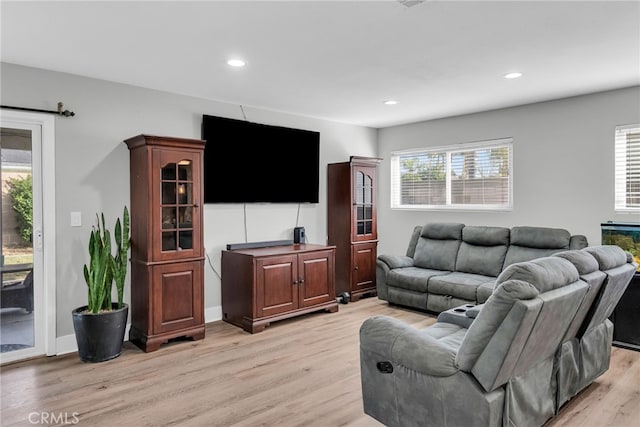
{"x": 16, "y": 256}
{"x": 177, "y": 206}
{"x": 364, "y": 203}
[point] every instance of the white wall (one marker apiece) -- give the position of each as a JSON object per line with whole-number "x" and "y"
{"x": 92, "y": 167}
{"x": 562, "y": 159}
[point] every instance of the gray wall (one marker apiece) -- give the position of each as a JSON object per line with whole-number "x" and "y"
{"x": 562, "y": 161}
{"x": 92, "y": 167}
{"x": 563, "y": 165}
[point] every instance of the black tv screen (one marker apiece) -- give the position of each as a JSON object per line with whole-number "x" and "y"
{"x": 247, "y": 162}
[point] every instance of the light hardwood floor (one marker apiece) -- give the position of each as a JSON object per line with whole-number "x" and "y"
{"x": 298, "y": 372}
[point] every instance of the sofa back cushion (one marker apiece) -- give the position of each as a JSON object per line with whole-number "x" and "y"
{"x": 437, "y": 247}
{"x": 482, "y": 250}
{"x": 587, "y": 267}
{"x": 528, "y": 243}
{"x": 545, "y": 273}
{"x": 619, "y": 269}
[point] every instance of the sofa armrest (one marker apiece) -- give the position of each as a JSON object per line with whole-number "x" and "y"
{"x": 462, "y": 315}
{"x": 396, "y": 261}
{"x": 474, "y": 311}
{"x": 402, "y": 344}
{"x": 578, "y": 241}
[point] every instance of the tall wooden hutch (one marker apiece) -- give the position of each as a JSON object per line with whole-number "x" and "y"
{"x": 352, "y": 224}
{"x": 167, "y": 255}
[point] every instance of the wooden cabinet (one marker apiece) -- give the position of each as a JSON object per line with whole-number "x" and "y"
{"x": 352, "y": 224}
{"x": 263, "y": 285}
{"x": 167, "y": 255}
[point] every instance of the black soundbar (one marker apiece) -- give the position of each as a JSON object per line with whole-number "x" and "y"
{"x": 252, "y": 245}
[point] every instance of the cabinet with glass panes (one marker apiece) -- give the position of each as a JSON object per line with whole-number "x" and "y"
{"x": 352, "y": 224}
{"x": 167, "y": 257}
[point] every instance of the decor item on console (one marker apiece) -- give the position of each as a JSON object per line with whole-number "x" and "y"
{"x": 541, "y": 337}
{"x": 100, "y": 325}
{"x": 450, "y": 264}
{"x": 167, "y": 256}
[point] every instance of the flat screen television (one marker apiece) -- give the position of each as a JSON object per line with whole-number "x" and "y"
{"x": 246, "y": 162}
{"x": 625, "y": 235}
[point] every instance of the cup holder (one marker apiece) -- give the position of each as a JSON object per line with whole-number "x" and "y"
{"x": 460, "y": 310}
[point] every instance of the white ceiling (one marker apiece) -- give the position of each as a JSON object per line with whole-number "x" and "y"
{"x": 338, "y": 60}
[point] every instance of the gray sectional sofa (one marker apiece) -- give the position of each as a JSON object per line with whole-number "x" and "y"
{"x": 449, "y": 264}
{"x": 542, "y": 336}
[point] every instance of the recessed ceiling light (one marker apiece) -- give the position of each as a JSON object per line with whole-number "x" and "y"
{"x": 236, "y": 62}
{"x": 390, "y": 102}
{"x": 512, "y": 75}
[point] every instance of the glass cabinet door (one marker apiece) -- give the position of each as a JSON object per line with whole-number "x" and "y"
{"x": 177, "y": 220}
{"x": 364, "y": 204}
{"x": 177, "y": 206}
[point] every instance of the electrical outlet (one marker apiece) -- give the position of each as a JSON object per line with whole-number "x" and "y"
{"x": 76, "y": 219}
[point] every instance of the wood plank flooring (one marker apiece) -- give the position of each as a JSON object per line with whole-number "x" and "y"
{"x": 298, "y": 372}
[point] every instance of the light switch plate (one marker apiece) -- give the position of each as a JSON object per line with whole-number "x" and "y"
{"x": 76, "y": 219}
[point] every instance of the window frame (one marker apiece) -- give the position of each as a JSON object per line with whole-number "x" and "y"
{"x": 448, "y": 150}
{"x": 620, "y": 168}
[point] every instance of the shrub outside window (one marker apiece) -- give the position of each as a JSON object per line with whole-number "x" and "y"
{"x": 627, "y": 168}
{"x": 470, "y": 176}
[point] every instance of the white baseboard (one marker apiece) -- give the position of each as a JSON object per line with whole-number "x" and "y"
{"x": 67, "y": 343}
{"x": 212, "y": 314}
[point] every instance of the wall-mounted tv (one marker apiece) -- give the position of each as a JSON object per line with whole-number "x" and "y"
{"x": 246, "y": 162}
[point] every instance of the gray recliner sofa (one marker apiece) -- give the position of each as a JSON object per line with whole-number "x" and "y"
{"x": 450, "y": 264}
{"x": 586, "y": 348}
{"x": 541, "y": 337}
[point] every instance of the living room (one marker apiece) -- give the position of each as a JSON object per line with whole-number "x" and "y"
{"x": 563, "y": 155}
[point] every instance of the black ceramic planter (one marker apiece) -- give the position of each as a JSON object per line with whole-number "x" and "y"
{"x": 100, "y": 336}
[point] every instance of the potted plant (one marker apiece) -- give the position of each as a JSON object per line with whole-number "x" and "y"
{"x": 100, "y": 325}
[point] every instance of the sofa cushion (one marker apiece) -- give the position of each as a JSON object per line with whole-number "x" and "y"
{"x": 528, "y": 243}
{"x": 485, "y": 236}
{"x": 412, "y": 278}
{"x": 457, "y": 284}
{"x": 608, "y": 256}
{"x": 517, "y": 253}
{"x": 482, "y": 250}
{"x": 442, "y": 231}
{"x": 544, "y": 273}
{"x": 540, "y": 237}
{"x": 438, "y": 246}
{"x": 584, "y": 262}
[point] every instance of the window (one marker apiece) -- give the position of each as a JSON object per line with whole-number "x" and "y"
{"x": 465, "y": 176}
{"x": 628, "y": 168}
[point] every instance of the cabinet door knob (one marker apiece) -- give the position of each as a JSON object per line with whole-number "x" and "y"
{"x": 295, "y": 282}
{"x": 355, "y": 268}
{"x": 301, "y": 281}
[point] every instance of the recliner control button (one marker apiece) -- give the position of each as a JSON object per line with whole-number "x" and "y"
{"x": 385, "y": 367}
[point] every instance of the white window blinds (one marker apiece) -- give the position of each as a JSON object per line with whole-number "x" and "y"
{"x": 466, "y": 176}
{"x": 627, "y": 168}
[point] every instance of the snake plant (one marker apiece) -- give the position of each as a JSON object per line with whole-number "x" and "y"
{"x": 104, "y": 268}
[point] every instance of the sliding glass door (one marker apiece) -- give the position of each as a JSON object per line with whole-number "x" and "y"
{"x": 24, "y": 328}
